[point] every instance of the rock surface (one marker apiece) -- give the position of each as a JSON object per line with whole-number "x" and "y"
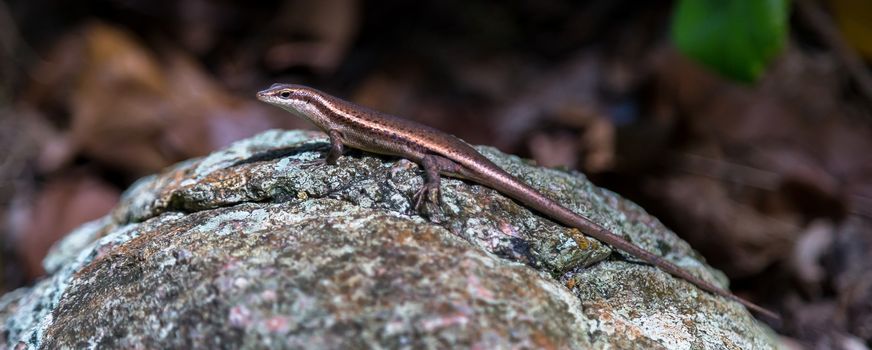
{"x": 256, "y": 247}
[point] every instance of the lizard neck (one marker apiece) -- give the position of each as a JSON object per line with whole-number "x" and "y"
{"x": 323, "y": 111}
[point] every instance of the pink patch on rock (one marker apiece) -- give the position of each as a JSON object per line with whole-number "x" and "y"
{"x": 240, "y": 316}
{"x": 277, "y": 324}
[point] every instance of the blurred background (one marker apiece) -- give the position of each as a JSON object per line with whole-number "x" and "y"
{"x": 744, "y": 125}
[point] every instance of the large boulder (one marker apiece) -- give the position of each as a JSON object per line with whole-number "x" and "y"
{"x": 257, "y": 246}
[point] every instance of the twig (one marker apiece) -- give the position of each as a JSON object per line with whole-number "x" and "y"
{"x": 725, "y": 171}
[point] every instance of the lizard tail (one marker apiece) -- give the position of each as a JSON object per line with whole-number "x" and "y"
{"x": 522, "y": 192}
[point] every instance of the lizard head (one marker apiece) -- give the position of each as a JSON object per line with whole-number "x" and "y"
{"x": 297, "y": 99}
{"x": 284, "y": 95}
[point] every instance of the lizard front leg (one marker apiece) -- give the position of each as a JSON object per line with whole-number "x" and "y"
{"x": 337, "y": 148}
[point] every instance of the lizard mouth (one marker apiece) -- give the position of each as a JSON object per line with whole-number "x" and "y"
{"x": 264, "y": 95}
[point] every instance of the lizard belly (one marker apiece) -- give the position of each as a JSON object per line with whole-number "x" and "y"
{"x": 384, "y": 145}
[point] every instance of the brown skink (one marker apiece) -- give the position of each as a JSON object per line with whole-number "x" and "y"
{"x": 439, "y": 153}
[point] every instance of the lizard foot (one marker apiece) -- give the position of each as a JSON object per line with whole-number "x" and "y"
{"x": 429, "y": 193}
{"x": 315, "y": 163}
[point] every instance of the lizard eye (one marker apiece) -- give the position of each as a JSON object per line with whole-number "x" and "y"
{"x": 285, "y": 94}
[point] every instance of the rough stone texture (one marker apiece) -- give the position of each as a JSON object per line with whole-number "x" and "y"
{"x": 256, "y": 247}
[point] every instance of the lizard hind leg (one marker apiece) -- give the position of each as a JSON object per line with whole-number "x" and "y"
{"x": 431, "y": 191}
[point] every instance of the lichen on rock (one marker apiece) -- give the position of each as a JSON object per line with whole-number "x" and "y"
{"x": 254, "y": 246}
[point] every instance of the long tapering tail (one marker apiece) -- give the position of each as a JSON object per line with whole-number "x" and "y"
{"x": 525, "y": 194}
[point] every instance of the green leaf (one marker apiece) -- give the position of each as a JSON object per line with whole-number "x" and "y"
{"x": 737, "y": 38}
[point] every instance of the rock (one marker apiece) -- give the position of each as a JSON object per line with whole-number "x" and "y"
{"x": 255, "y": 246}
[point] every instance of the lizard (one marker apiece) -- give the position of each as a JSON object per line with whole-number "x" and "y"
{"x": 440, "y": 153}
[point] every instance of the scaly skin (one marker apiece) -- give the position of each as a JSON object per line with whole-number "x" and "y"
{"x": 356, "y": 126}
